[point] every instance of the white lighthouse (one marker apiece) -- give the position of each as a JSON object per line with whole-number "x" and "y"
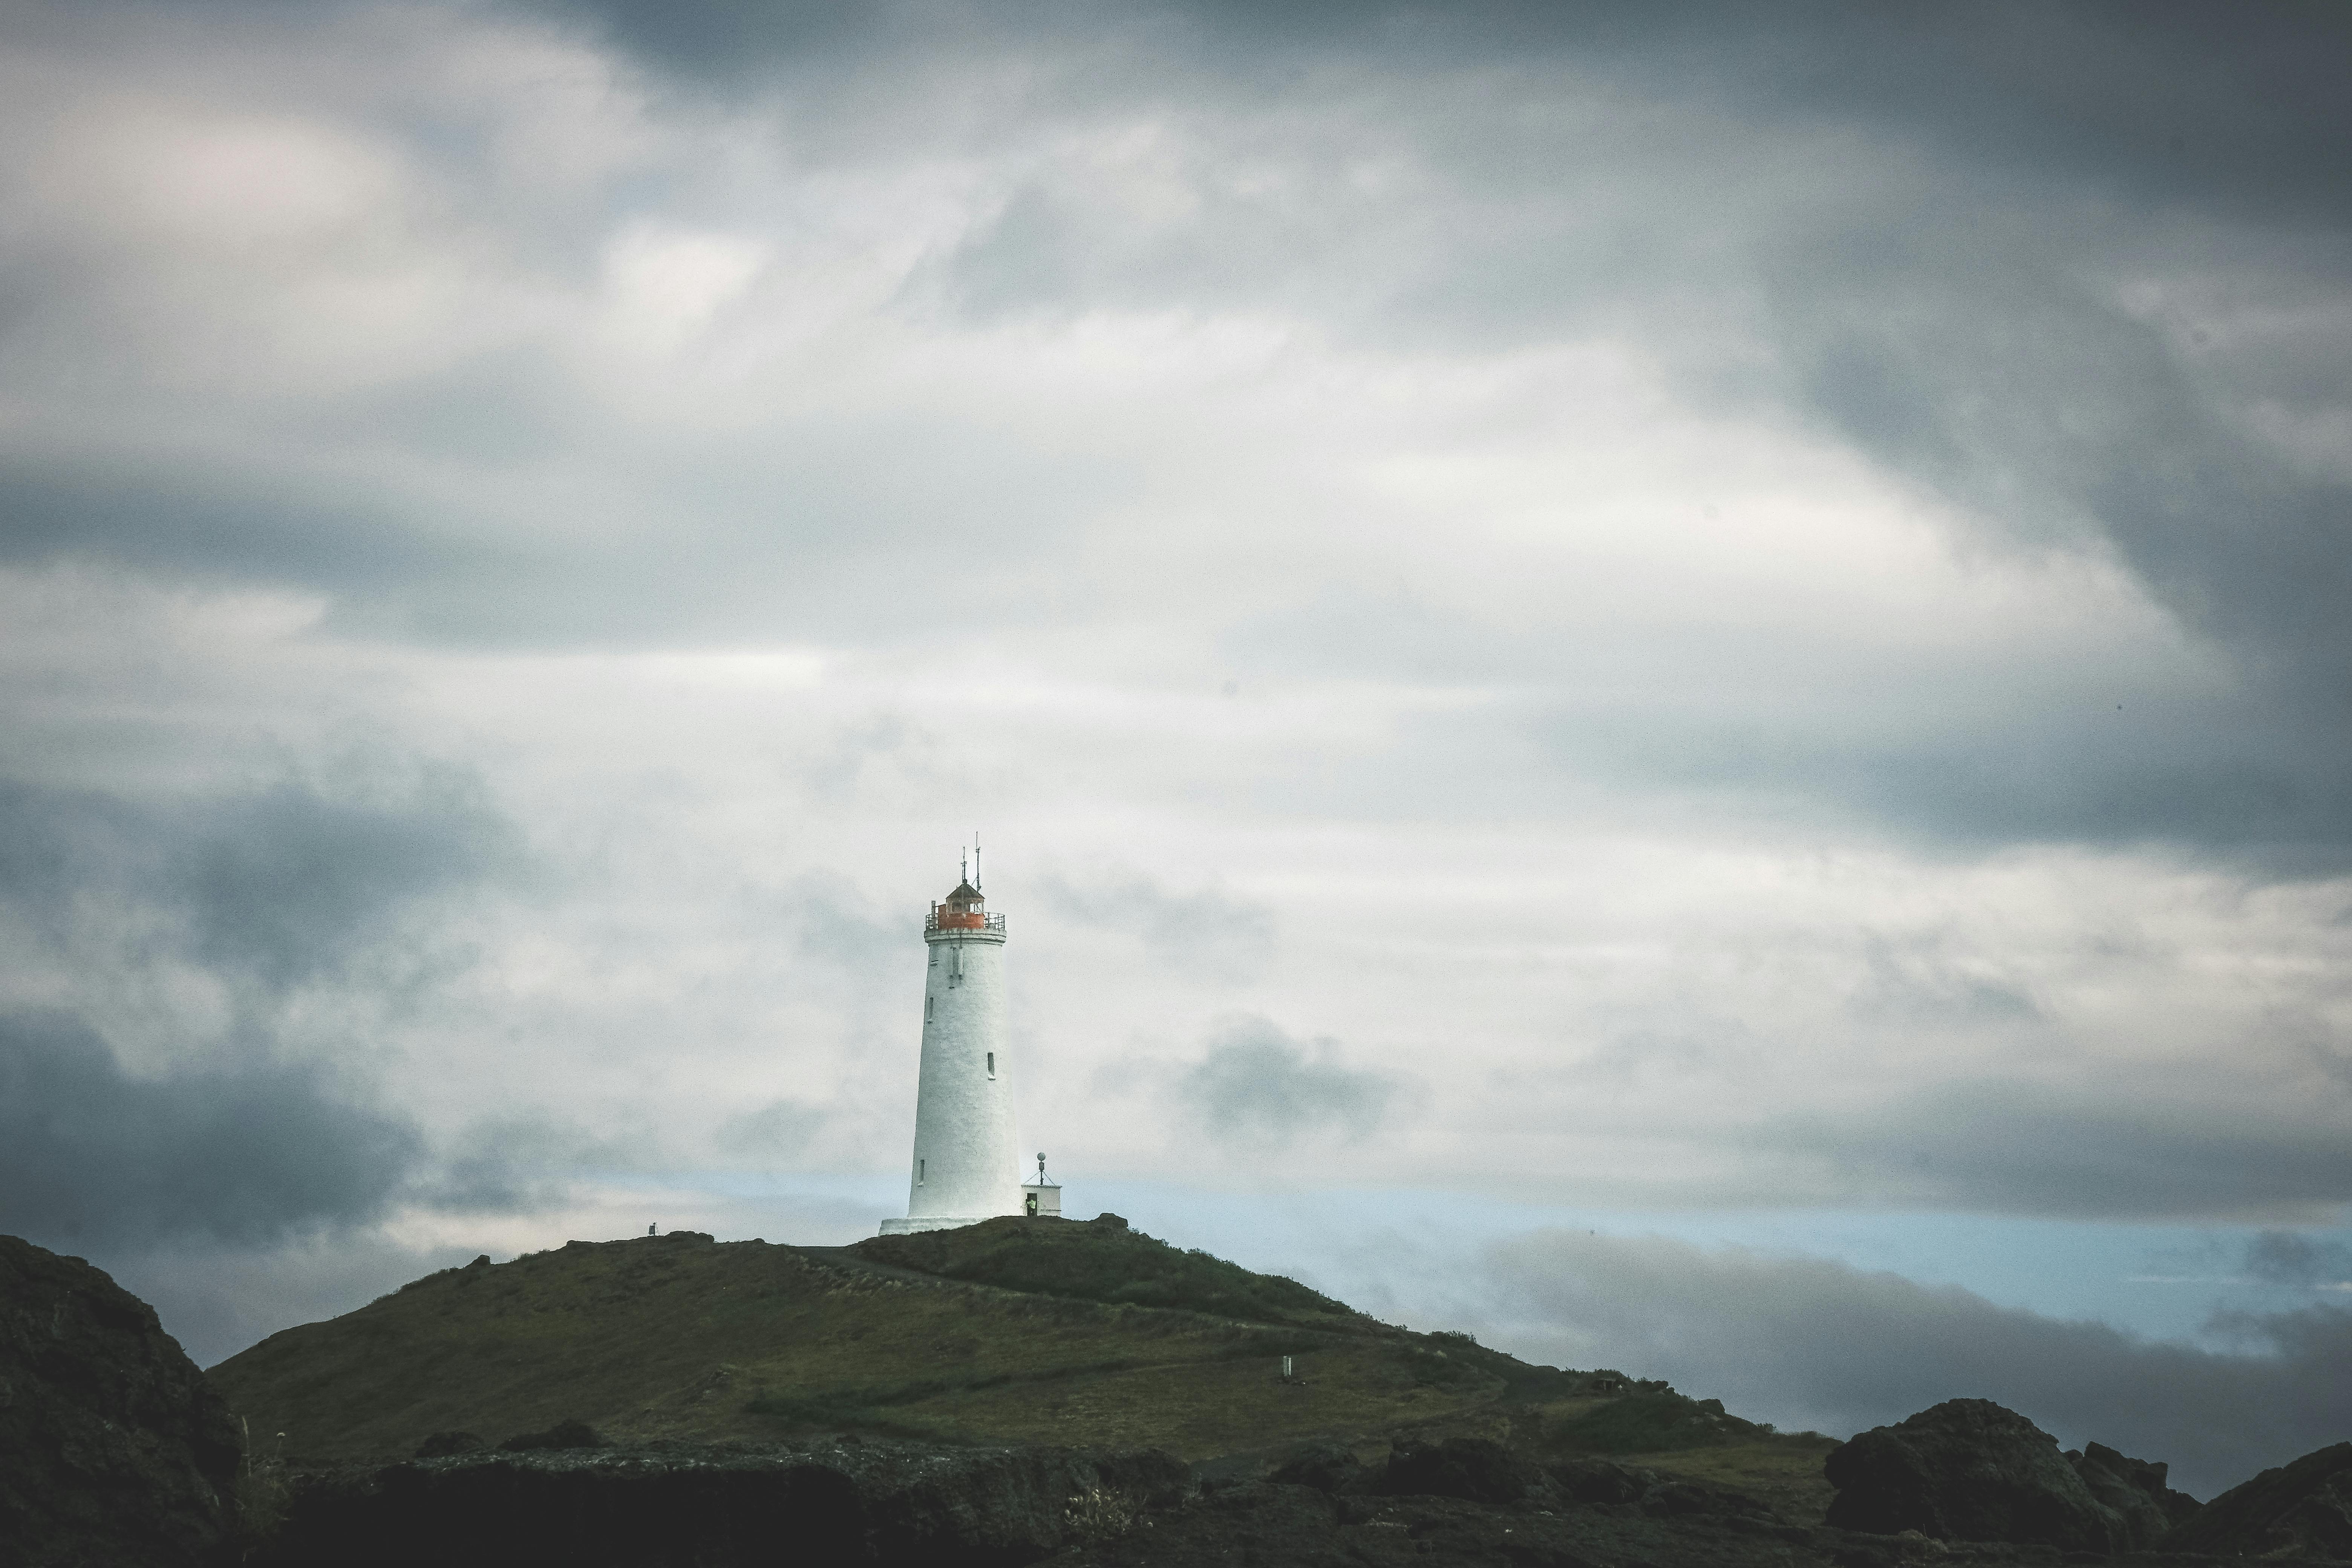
{"x": 967, "y": 1165}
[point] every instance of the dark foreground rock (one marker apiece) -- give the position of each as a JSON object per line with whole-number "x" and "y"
{"x": 2135, "y": 1490}
{"x": 1463, "y": 1502}
{"x": 1326, "y": 1468}
{"x": 1665, "y": 1524}
{"x": 1270, "y": 1524}
{"x": 114, "y": 1450}
{"x": 1476, "y": 1469}
{"x": 665, "y": 1505}
{"x": 1969, "y": 1469}
{"x": 2302, "y": 1509}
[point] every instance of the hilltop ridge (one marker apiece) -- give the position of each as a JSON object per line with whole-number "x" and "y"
{"x": 1014, "y": 1330}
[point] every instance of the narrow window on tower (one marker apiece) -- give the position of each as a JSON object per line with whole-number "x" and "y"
{"x": 991, "y": 1063}
{"x": 918, "y": 1173}
{"x": 927, "y": 1009}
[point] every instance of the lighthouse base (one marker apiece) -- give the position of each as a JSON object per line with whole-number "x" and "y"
{"x": 908, "y": 1226}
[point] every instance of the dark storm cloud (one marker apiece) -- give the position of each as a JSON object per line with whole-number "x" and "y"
{"x": 287, "y": 884}
{"x": 1256, "y": 1085}
{"x": 723, "y": 39}
{"x": 1813, "y": 1344}
{"x": 281, "y": 886}
{"x": 2042, "y": 407}
{"x": 91, "y": 1156}
{"x": 2021, "y": 1148}
{"x": 2161, "y": 103}
{"x": 2259, "y": 776}
{"x": 211, "y": 521}
{"x": 2284, "y": 1258}
{"x": 1963, "y": 326}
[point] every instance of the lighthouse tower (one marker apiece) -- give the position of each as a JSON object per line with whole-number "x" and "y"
{"x": 967, "y": 1165}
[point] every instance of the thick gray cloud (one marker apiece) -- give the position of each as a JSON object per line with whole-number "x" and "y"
{"x": 1257, "y": 1086}
{"x": 520, "y": 1162}
{"x": 249, "y": 1152}
{"x": 2015, "y": 1147}
{"x": 287, "y": 883}
{"x": 1960, "y": 306}
{"x": 1807, "y": 1343}
{"x": 2284, "y": 1258}
{"x": 2051, "y": 410}
{"x": 135, "y": 910}
{"x": 214, "y": 521}
{"x": 722, "y": 39}
{"x": 279, "y": 885}
{"x": 2070, "y": 267}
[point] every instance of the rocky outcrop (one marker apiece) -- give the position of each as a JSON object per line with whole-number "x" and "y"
{"x": 1662, "y": 1524}
{"x": 1476, "y": 1470}
{"x": 1602, "y": 1481}
{"x": 716, "y": 1507}
{"x": 2134, "y": 1490}
{"x": 1969, "y": 1469}
{"x": 1326, "y": 1468}
{"x": 115, "y": 1451}
{"x": 1271, "y": 1524}
{"x": 1581, "y": 1514}
{"x": 2302, "y": 1509}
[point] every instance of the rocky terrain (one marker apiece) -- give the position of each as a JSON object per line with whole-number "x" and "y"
{"x": 1969, "y": 1469}
{"x": 2302, "y": 1509}
{"x": 715, "y": 1506}
{"x": 115, "y": 1451}
{"x": 1460, "y": 1500}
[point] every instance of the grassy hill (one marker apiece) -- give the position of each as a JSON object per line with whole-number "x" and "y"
{"x": 1013, "y": 1331}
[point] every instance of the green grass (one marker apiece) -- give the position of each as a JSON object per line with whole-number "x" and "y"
{"x": 1010, "y": 1331}
{"x": 678, "y": 1337}
{"x": 1110, "y": 1265}
{"x": 1783, "y": 1470}
{"x": 1649, "y": 1423}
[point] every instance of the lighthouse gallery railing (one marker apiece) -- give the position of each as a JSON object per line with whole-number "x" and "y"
{"x": 938, "y": 920}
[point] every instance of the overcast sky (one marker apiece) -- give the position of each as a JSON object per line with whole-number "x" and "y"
{"x": 1554, "y": 617}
